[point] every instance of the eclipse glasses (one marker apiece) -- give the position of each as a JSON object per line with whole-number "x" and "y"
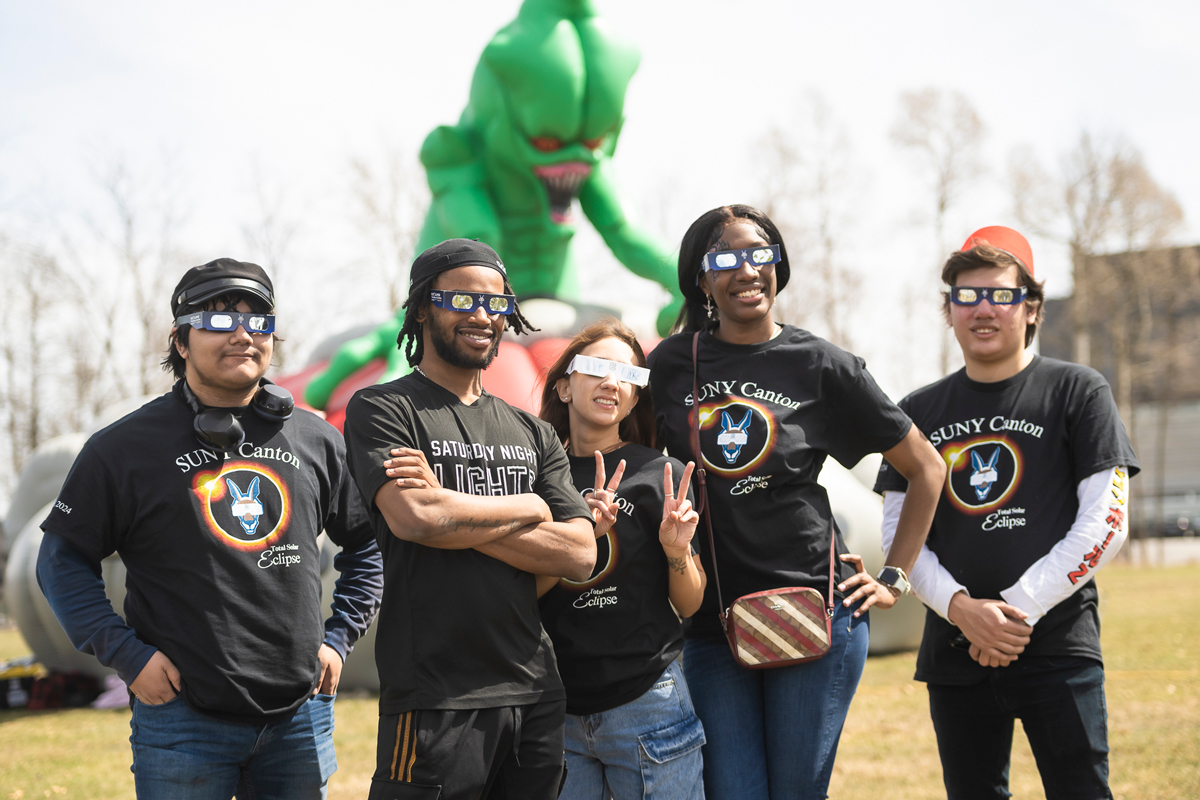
{"x": 602, "y": 367}
{"x": 467, "y": 302}
{"x": 758, "y": 257}
{"x": 997, "y": 295}
{"x": 228, "y": 321}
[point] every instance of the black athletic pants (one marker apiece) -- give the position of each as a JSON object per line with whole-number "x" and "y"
{"x": 506, "y": 753}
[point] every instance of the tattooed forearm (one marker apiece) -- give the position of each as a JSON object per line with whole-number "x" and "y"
{"x": 677, "y": 564}
{"x": 449, "y": 523}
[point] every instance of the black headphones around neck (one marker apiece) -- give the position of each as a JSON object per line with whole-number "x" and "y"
{"x": 219, "y": 430}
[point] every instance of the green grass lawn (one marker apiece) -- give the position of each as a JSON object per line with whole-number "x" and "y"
{"x": 1151, "y": 639}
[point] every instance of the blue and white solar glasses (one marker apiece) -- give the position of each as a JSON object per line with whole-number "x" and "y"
{"x": 467, "y": 302}
{"x": 758, "y": 257}
{"x": 997, "y": 295}
{"x": 228, "y": 321}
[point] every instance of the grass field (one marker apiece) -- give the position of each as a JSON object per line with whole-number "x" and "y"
{"x": 1151, "y": 633}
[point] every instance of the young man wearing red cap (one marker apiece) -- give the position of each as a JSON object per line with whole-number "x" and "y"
{"x": 470, "y": 498}
{"x": 214, "y": 495}
{"x": 1034, "y": 505}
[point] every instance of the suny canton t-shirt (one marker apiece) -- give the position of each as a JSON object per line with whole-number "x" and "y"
{"x": 616, "y": 632}
{"x": 1017, "y": 450}
{"x": 458, "y": 629}
{"x": 222, "y": 557}
{"x": 770, "y": 413}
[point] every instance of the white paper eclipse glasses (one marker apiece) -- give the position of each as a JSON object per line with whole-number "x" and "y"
{"x": 602, "y": 367}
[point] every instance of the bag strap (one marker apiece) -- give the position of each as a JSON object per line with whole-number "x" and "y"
{"x": 832, "y": 547}
{"x": 703, "y": 499}
{"x": 695, "y": 420}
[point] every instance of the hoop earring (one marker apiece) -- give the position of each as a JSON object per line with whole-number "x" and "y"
{"x": 708, "y": 307}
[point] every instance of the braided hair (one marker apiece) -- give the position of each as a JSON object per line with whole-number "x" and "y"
{"x": 418, "y": 297}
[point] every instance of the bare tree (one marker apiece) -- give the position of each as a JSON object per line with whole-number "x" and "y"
{"x": 1091, "y": 182}
{"x": 1144, "y": 215}
{"x": 32, "y": 279}
{"x": 390, "y": 199}
{"x": 145, "y": 219}
{"x": 944, "y": 133}
{"x": 270, "y": 237}
{"x": 97, "y": 366}
{"x": 270, "y": 240}
{"x": 1106, "y": 199}
{"x": 1127, "y": 306}
{"x": 1037, "y": 197}
{"x": 781, "y": 190}
{"x": 808, "y": 189}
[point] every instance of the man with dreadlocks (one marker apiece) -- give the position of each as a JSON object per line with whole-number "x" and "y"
{"x": 470, "y": 499}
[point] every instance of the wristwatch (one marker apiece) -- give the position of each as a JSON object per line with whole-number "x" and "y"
{"x": 895, "y": 580}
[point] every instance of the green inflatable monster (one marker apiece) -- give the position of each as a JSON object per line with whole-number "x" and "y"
{"x": 538, "y": 132}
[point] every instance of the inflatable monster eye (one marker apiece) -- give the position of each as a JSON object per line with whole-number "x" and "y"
{"x": 546, "y": 144}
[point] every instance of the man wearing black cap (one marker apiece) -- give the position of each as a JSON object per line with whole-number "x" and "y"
{"x": 1033, "y": 507}
{"x": 471, "y": 499}
{"x": 214, "y": 495}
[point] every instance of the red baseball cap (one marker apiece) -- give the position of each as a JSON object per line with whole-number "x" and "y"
{"x": 1005, "y": 239}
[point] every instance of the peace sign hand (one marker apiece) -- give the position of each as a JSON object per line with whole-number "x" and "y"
{"x": 679, "y": 518}
{"x": 602, "y": 500}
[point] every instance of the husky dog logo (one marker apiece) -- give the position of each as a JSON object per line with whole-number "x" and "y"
{"x": 984, "y": 475}
{"x": 733, "y": 437}
{"x": 246, "y": 508}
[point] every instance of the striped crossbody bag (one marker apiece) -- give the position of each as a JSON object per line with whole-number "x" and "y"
{"x": 777, "y": 627}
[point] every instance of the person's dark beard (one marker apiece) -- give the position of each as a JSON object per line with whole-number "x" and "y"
{"x": 447, "y": 350}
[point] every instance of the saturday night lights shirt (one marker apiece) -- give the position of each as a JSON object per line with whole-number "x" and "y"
{"x": 458, "y": 629}
{"x": 1017, "y": 450}
{"x": 770, "y": 413}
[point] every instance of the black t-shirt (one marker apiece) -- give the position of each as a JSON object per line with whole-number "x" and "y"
{"x": 1017, "y": 450}
{"x": 224, "y": 571}
{"x": 616, "y": 632}
{"x": 770, "y": 414}
{"x": 458, "y": 629}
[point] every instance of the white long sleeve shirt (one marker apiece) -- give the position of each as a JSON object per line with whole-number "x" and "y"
{"x": 1097, "y": 534}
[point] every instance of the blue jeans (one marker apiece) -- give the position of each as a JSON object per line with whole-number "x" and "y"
{"x": 648, "y": 748}
{"x": 181, "y": 754}
{"x": 1060, "y": 702}
{"x": 773, "y": 733}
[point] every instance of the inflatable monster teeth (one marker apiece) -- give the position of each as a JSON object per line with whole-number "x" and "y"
{"x": 562, "y": 182}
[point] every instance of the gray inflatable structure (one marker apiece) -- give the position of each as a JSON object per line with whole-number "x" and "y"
{"x": 857, "y": 509}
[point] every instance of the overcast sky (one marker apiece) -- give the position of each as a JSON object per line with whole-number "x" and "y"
{"x": 291, "y": 91}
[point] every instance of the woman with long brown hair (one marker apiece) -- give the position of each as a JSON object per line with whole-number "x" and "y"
{"x": 617, "y": 636}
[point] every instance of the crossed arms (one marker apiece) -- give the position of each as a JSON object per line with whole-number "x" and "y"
{"x": 517, "y": 529}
